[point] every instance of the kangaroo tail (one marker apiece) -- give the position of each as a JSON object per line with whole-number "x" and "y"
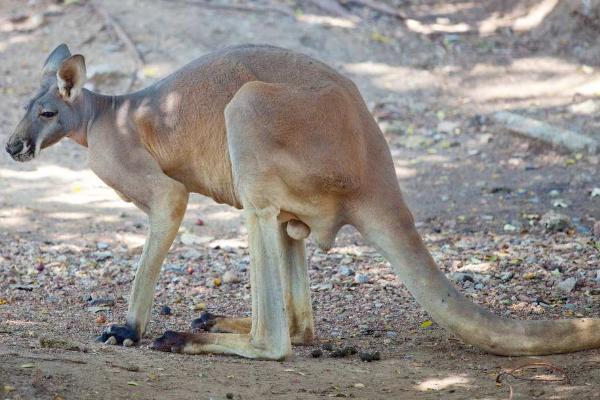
{"x": 392, "y": 231}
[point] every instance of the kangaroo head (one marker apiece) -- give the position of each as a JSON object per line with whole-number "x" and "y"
{"x": 56, "y": 110}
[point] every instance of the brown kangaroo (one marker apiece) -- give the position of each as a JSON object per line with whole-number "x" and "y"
{"x": 290, "y": 141}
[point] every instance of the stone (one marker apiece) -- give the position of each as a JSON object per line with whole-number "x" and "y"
{"x": 346, "y": 271}
{"x": 460, "y": 277}
{"x": 102, "y": 255}
{"x": 322, "y": 287}
{"x": 555, "y": 222}
{"x": 567, "y": 285}
{"x": 165, "y": 310}
{"x": 192, "y": 254}
{"x": 127, "y": 342}
{"x": 448, "y": 126}
{"x": 506, "y": 276}
{"x": 361, "y": 278}
{"x": 190, "y": 239}
{"x": 230, "y": 277}
{"x": 102, "y": 246}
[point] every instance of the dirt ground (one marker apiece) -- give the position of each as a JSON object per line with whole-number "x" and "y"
{"x": 477, "y": 193}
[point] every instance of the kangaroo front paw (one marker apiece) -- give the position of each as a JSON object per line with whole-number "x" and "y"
{"x": 170, "y": 341}
{"x": 119, "y": 334}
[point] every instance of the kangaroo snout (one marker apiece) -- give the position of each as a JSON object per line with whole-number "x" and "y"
{"x": 20, "y": 149}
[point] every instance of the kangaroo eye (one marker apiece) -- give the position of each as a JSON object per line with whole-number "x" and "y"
{"x": 48, "y": 114}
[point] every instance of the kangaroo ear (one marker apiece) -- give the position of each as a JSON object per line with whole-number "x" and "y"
{"x": 70, "y": 77}
{"x": 54, "y": 60}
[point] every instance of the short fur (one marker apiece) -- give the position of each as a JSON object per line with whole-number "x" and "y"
{"x": 290, "y": 141}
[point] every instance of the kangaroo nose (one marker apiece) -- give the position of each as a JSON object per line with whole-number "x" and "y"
{"x": 14, "y": 148}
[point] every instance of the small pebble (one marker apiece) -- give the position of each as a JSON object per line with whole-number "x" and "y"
{"x": 127, "y": 342}
{"x": 230, "y": 277}
{"x": 346, "y": 271}
{"x": 165, "y": 310}
{"x": 101, "y": 320}
{"x": 316, "y": 353}
{"x": 507, "y": 276}
{"x": 361, "y": 278}
{"x": 567, "y": 285}
{"x": 111, "y": 341}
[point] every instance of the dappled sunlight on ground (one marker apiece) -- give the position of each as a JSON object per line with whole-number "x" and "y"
{"x": 444, "y": 383}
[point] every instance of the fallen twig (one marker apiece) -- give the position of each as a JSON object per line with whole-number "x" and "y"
{"x": 542, "y": 131}
{"x": 237, "y": 7}
{"x": 124, "y": 38}
{"x": 333, "y": 7}
{"x": 380, "y": 7}
{"x": 533, "y": 365}
{"x": 67, "y": 360}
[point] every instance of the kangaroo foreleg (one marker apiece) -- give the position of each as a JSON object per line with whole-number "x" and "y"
{"x": 165, "y": 212}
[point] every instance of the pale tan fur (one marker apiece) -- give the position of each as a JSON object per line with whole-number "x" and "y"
{"x": 290, "y": 141}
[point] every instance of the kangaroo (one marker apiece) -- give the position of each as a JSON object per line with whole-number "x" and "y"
{"x": 291, "y": 142}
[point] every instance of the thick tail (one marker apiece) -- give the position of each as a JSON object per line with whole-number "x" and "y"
{"x": 392, "y": 231}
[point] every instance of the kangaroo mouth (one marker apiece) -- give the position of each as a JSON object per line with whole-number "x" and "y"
{"x": 25, "y": 153}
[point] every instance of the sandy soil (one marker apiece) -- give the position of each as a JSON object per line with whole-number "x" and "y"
{"x": 464, "y": 179}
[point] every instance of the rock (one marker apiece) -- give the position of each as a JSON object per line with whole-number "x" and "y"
{"x": 101, "y": 320}
{"x": 189, "y": 239}
{"x": 322, "y": 287}
{"x": 506, "y": 276}
{"x": 346, "y": 271}
{"x": 460, "y": 277}
{"x": 102, "y": 255}
{"x": 165, "y": 310}
{"x": 597, "y": 229}
{"x": 102, "y": 246}
{"x": 127, "y": 342}
{"x": 509, "y": 228}
{"x": 555, "y": 222}
{"x": 229, "y": 245}
{"x": 316, "y": 353}
{"x": 101, "y": 301}
{"x": 230, "y": 277}
{"x": 229, "y": 395}
{"x": 192, "y": 254}
{"x": 560, "y": 203}
{"x": 448, "y": 126}
{"x": 598, "y": 276}
{"x": 392, "y": 127}
{"x": 567, "y": 285}
{"x": 361, "y": 278}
